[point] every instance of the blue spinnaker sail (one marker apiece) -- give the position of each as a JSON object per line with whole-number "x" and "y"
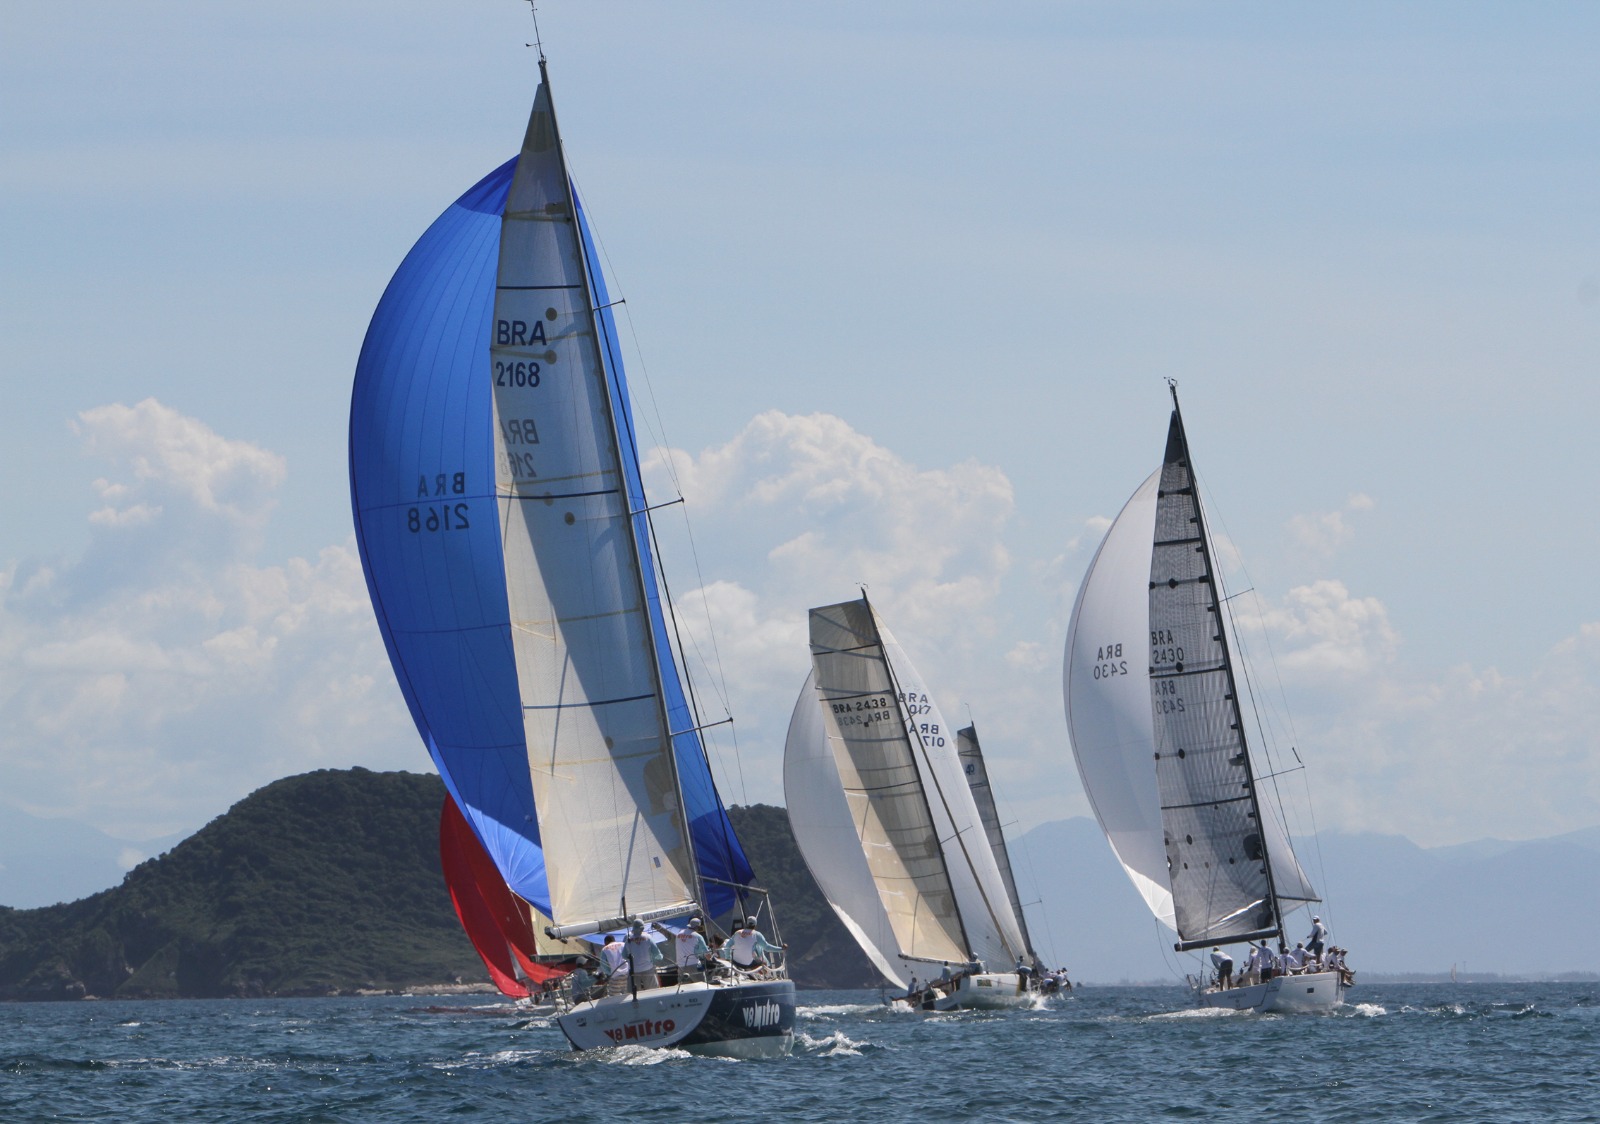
{"x": 422, "y": 490}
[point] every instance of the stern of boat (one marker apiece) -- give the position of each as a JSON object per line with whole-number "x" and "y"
{"x": 742, "y": 1020}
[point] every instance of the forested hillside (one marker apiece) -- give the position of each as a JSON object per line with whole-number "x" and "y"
{"x": 324, "y": 883}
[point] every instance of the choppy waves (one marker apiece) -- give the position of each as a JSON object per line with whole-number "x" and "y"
{"x": 1111, "y": 1055}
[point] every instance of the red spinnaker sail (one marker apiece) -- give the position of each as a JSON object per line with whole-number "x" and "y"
{"x": 496, "y": 920}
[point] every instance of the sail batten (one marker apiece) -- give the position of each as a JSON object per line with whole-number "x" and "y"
{"x": 881, "y": 810}
{"x": 1221, "y": 886}
{"x": 1157, "y": 730}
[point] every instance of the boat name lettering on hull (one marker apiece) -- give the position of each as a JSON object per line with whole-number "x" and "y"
{"x": 645, "y": 1028}
{"x": 759, "y": 1016}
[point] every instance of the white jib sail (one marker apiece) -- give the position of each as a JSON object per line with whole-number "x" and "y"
{"x": 825, "y": 830}
{"x": 610, "y": 816}
{"x": 992, "y": 930}
{"x": 1107, "y": 691}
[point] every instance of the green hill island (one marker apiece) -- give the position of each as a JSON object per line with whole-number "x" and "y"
{"x": 328, "y": 883}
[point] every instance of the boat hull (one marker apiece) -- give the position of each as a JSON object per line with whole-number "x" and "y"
{"x": 745, "y": 1020}
{"x": 1311, "y": 993}
{"x": 986, "y": 991}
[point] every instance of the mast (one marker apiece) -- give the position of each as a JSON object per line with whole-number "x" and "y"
{"x": 607, "y": 367}
{"x": 1204, "y": 548}
{"x": 929, "y": 772}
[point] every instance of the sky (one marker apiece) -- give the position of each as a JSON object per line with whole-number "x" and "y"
{"x": 904, "y": 283}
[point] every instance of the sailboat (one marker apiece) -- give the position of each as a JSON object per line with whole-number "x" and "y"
{"x": 506, "y": 540}
{"x": 970, "y": 754}
{"x": 1158, "y": 732}
{"x": 885, "y": 820}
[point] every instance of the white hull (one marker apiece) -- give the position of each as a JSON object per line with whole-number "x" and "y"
{"x": 987, "y": 991}
{"x": 1319, "y": 991}
{"x": 747, "y": 1020}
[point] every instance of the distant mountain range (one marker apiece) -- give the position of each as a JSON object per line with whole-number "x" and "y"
{"x": 1491, "y": 906}
{"x": 45, "y": 861}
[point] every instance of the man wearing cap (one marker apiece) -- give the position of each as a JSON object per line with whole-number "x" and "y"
{"x": 1319, "y": 935}
{"x": 643, "y": 956}
{"x": 749, "y": 947}
{"x": 688, "y": 948}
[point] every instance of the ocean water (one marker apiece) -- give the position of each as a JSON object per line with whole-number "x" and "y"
{"x": 1487, "y": 1052}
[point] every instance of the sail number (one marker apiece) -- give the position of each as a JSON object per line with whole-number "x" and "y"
{"x": 1164, "y": 649}
{"x": 1109, "y": 662}
{"x": 445, "y": 517}
{"x": 1165, "y": 698}
{"x": 864, "y": 712}
{"x": 916, "y": 703}
{"x": 521, "y": 372}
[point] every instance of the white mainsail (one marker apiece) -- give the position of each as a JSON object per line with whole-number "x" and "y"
{"x": 1156, "y": 726}
{"x": 610, "y": 815}
{"x": 918, "y": 830}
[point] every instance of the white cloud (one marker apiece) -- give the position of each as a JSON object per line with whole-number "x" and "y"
{"x": 167, "y": 672}
{"x": 1320, "y": 630}
{"x": 798, "y": 511}
{"x": 1327, "y": 532}
{"x": 1469, "y": 752}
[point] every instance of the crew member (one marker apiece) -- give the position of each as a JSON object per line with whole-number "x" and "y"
{"x": 750, "y": 948}
{"x": 1318, "y": 938}
{"x": 614, "y": 965}
{"x": 688, "y": 947}
{"x": 642, "y": 956}
{"x": 1223, "y": 963}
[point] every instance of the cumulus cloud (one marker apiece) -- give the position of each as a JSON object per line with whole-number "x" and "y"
{"x": 168, "y": 671}
{"x": 1321, "y": 631}
{"x": 800, "y": 510}
{"x": 1472, "y": 751}
{"x": 830, "y": 509}
{"x": 1326, "y": 532}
